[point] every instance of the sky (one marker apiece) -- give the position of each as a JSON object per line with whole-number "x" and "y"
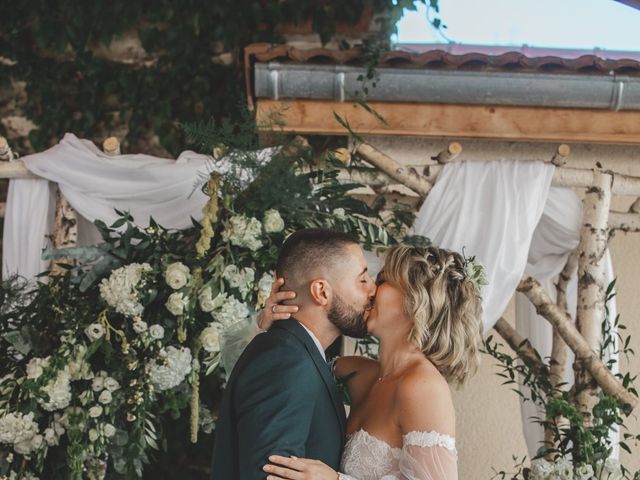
{"x": 580, "y": 24}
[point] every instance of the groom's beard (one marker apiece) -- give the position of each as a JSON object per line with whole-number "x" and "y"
{"x": 349, "y": 321}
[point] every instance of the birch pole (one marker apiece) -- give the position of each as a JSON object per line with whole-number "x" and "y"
{"x": 592, "y": 284}
{"x": 585, "y": 355}
{"x": 559, "y": 348}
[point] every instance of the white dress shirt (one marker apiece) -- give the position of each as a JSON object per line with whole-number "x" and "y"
{"x": 316, "y": 341}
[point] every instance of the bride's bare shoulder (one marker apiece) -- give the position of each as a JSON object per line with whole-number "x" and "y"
{"x": 424, "y": 401}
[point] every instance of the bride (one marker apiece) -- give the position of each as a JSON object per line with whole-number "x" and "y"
{"x": 402, "y": 420}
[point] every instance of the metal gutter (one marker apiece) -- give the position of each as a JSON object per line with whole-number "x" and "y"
{"x": 276, "y": 81}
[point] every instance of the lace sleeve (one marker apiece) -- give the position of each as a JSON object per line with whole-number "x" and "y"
{"x": 424, "y": 456}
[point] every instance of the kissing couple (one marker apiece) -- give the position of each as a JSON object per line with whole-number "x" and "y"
{"x": 282, "y": 415}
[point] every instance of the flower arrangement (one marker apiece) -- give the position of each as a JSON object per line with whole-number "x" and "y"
{"x": 98, "y": 361}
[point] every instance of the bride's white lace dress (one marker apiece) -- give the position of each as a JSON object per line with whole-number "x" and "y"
{"x": 423, "y": 456}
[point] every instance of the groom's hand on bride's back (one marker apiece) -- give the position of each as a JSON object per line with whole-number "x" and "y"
{"x": 273, "y": 309}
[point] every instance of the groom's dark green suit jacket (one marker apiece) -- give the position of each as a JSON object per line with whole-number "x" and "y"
{"x": 280, "y": 399}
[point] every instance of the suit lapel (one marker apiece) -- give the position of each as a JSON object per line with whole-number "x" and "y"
{"x": 323, "y": 368}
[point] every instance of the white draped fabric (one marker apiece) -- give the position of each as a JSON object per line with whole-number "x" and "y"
{"x": 507, "y": 215}
{"x": 95, "y": 184}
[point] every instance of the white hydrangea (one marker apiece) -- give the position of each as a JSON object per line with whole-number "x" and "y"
{"x": 242, "y": 279}
{"x": 210, "y": 338}
{"x": 264, "y": 288}
{"x": 156, "y": 331}
{"x": 171, "y": 369}
{"x": 139, "y": 326}
{"x": 177, "y": 275}
{"x": 120, "y": 289}
{"x": 36, "y": 367}
{"x": 243, "y": 232}
{"x": 273, "y": 222}
{"x": 231, "y": 311}
{"x": 20, "y": 431}
{"x": 563, "y": 469}
{"x": 584, "y": 472}
{"x": 176, "y": 303}
{"x": 540, "y": 469}
{"x": 59, "y": 392}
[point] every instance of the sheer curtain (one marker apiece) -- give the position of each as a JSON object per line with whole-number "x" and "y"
{"x": 507, "y": 214}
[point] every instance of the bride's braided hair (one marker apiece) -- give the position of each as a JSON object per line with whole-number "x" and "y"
{"x": 444, "y": 304}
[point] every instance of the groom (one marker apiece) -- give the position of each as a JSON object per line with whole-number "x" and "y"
{"x": 281, "y": 397}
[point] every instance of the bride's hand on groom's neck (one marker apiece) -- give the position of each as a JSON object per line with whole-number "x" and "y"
{"x": 273, "y": 309}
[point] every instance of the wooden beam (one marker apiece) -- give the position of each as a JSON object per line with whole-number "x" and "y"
{"x": 442, "y": 120}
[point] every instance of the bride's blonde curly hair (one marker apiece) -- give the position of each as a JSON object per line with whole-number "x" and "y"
{"x": 444, "y": 304}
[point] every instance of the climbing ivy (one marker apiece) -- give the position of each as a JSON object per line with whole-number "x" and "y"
{"x": 51, "y": 45}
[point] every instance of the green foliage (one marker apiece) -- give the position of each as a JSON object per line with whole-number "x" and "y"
{"x": 573, "y": 440}
{"x": 52, "y": 45}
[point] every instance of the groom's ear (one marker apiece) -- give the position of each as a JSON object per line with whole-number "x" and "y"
{"x": 320, "y": 291}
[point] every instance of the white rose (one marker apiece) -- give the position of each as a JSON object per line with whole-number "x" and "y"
{"x": 108, "y": 430}
{"x": 97, "y": 384}
{"x": 176, "y": 303}
{"x": 111, "y": 384}
{"x": 177, "y": 275}
{"x": 210, "y": 338}
{"x": 264, "y": 288}
{"x": 205, "y": 300}
{"x": 273, "y": 222}
{"x": 36, "y": 367}
{"x": 95, "y": 411}
{"x": 584, "y": 472}
{"x": 139, "y": 326}
{"x": 93, "y": 435}
{"x": 105, "y": 397}
{"x": 94, "y": 331}
{"x": 156, "y": 331}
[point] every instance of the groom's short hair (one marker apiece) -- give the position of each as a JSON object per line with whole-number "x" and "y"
{"x": 309, "y": 251}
